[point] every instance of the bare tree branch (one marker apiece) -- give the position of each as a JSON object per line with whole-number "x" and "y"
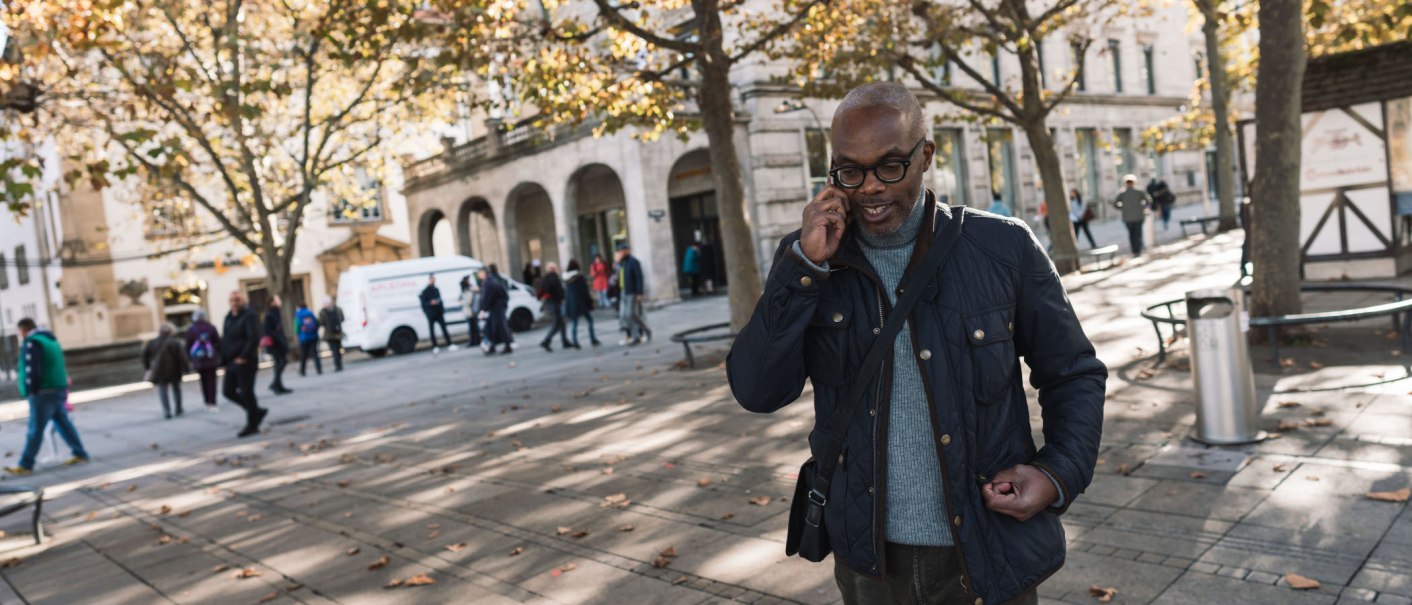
{"x": 951, "y": 95}
{"x": 775, "y": 32}
{"x": 618, "y": 20}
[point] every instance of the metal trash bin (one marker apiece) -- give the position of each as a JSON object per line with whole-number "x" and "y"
{"x": 1221, "y": 373}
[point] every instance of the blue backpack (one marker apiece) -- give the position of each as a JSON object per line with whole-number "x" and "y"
{"x": 202, "y": 348}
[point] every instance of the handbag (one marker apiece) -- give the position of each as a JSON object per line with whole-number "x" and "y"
{"x": 807, "y": 535}
{"x": 1087, "y": 215}
{"x": 267, "y": 341}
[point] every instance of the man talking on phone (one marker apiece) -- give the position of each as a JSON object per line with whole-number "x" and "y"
{"x": 937, "y": 492}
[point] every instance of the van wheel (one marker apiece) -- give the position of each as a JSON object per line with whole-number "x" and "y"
{"x": 403, "y": 341}
{"x": 521, "y": 320}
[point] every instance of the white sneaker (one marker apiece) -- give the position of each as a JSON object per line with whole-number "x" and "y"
{"x": 453, "y": 348}
{"x": 213, "y": 409}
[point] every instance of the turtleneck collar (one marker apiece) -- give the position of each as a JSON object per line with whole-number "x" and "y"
{"x": 905, "y": 233}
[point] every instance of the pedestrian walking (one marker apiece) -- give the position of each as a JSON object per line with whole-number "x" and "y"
{"x": 276, "y": 344}
{"x": 1080, "y": 214}
{"x": 203, "y": 348}
{"x": 551, "y": 292}
{"x": 44, "y": 382}
{"x": 331, "y": 318}
{"x": 708, "y": 266}
{"x": 935, "y": 493}
{"x": 470, "y": 307}
{"x": 578, "y": 304}
{"x": 240, "y": 354}
{"x": 631, "y": 290}
{"x": 164, "y": 360}
{"x": 1163, "y": 199}
{"x": 998, "y": 205}
{"x": 307, "y": 331}
{"x": 599, "y": 271}
{"x": 1135, "y": 204}
{"x": 495, "y": 300}
{"x": 436, "y": 314}
{"x": 691, "y": 267}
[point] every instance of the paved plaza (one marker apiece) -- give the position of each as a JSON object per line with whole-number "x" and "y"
{"x": 614, "y": 475}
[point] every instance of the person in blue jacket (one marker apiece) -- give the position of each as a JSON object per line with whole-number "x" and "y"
{"x": 306, "y": 327}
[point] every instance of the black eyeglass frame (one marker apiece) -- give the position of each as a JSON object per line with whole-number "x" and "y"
{"x": 906, "y": 165}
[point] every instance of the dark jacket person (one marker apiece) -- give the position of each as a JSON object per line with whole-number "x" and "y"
{"x": 940, "y": 486}
{"x": 240, "y": 352}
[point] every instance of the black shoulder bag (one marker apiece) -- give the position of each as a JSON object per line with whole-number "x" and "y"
{"x": 807, "y": 535}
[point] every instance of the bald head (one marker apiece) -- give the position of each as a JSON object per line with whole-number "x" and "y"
{"x": 880, "y": 98}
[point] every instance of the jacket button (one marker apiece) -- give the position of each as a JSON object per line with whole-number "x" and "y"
{"x": 872, "y": 412}
{"x": 982, "y": 478}
{"x": 1011, "y": 326}
{"x": 946, "y": 439}
{"x": 806, "y": 281}
{"x": 978, "y": 334}
{"x": 877, "y": 330}
{"x": 956, "y": 520}
{"x": 837, "y": 317}
{"x": 925, "y": 354}
{"x": 980, "y": 601}
{"x": 870, "y": 491}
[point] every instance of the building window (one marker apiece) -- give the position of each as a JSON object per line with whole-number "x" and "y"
{"x": 995, "y": 69}
{"x": 1086, "y": 140}
{"x": 21, "y": 264}
{"x": 1149, "y": 71}
{"x": 1123, "y": 162}
{"x": 816, "y": 147}
{"x": 4, "y": 273}
{"x": 31, "y": 311}
{"x": 1000, "y": 153}
{"x": 361, "y": 203}
{"x": 1077, "y": 49}
{"x": 942, "y": 72}
{"x": 1197, "y": 59}
{"x": 1117, "y": 65}
{"x": 950, "y": 179}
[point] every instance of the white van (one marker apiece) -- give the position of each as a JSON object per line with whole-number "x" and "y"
{"x": 382, "y": 306}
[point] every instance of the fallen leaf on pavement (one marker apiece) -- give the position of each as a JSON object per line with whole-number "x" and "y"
{"x": 420, "y": 579}
{"x": 248, "y": 572}
{"x": 1398, "y": 496}
{"x": 580, "y": 534}
{"x": 1316, "y": 365}
{"x": 761, "y": 500}
{"x": 1287, "y": 362}
{"x": 661, "y": 562}
{"x": 184, "y": 514}
{"x": 626, "y": 528}
{"x": 1311, "y": 477}
{"x": 703, "y": 482}
{"x": 517, "y": 551}
{"x": 681, "y": 580}
{"x": 93, "y": 515}
{"x": 1289, "y": 404}
{"x": 616, "y": 501}
{"x": 1145, "y": 374}
{"x": 353, "y": 551}
{"x": 431, "y": 535}
{"x": 1287, "y": 425}
{"x": 380, "y": 563}
{"x": 569, "y": 567}
{"x": 270, "y": 597}
{"x": 131, "y": 489}
{"x": 1197, "y": 475}
{"x": 1123, "y": 469}
{"x": 254, "y": 518}
{"x": 563, "y": 531}
{"x": 608, "y": 471}
{"x": 1299, "y": 582}
{"x": 669, "y": 552}
{"x": 1318, "y": 422}
{"x": 164, "y": 539}
{"x": 393, "y": 583}
{"x": 1280, "y": 468}
{"x": 457, "y": 547}
{"x": 343, "y": 483}
{"x": 727, "y": 516}
{"x": 220, "y": 568}
{"x": 1103, "y": 593}
{"x": 165, "y": 510}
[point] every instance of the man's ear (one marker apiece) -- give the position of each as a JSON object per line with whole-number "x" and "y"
{"x": 928, "y": 152}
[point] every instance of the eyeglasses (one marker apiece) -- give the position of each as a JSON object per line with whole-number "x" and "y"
{"x": 889, "y": 171}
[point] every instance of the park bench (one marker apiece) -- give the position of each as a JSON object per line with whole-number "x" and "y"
{"x": 1200, "y": 221}
{"x": 15, "y": 498}
{"x": 1097, "y": 255}
{"x": 699, "y": 335}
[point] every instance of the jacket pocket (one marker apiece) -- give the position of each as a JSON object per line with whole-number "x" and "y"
{"x": 826, "y": 344}
{"x": 993, "y": 361}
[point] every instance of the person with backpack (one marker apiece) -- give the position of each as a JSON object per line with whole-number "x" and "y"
{"x": 276, "y": 344}
{"x": 203, "y": 348}
{"x": 307, "y": 327}
{"x": 578, "y": 303}
{"x": 44, "y": 381}
{"x": 331, "y": 318}
{"x": 164, "y": 359}
{"x": 1163, "y": 199}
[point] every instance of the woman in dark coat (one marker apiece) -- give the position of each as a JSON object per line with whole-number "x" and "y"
{"x": 203, "y": 348}
{"x": 277, "y": 344}
{"x": 578, "y": 303}
{"x": 164, "y": 359}
{"x": 495, "y": 300}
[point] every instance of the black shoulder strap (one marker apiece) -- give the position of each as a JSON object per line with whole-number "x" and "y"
{"x": 924, "y": 274}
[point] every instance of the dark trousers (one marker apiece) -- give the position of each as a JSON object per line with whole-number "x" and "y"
{"x": 916, "y": 575}
{"x": 280, "y": 355}
{"x": 336, "y": 347}
{"x": 432, "y": 320}
{"x": 239, "y": 387}
{"x": 1082, "y": 226}
{"x": 1135, "y": 237}
{"x": 593, "y": 338}
{"x": 208, "y": 384}
{"x": 473, "y": 325}
{"x": 45, "y": 407}
{"x": 695, "y": 283}
{"x": 555, "y": 311}
{"x": 174, "y": 388}
{"x": 309, "y": 349}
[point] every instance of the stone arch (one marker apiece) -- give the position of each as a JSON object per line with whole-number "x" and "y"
{"x": 426, "y": 230}
{"x": 596, "y": 203}
{"x": 530, "y": 227}
{"x": 691, "y": 199}
{"x": 476, "y": 232}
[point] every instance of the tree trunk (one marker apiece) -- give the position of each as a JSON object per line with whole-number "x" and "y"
{"x": 718, "y": 120}
{"x": 1275, "y": 245}
{"x": 1220, "y": 108}
{"x": 1063, "y": 245}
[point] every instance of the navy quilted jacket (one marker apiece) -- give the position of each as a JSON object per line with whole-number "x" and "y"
{"x": 997, "y": 299}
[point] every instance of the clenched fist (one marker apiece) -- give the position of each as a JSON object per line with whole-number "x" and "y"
{"x": 825, "y": 218}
